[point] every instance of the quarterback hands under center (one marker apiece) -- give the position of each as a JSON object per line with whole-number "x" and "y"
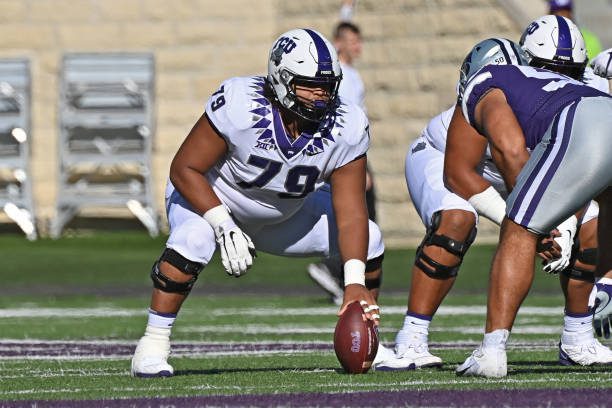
{"x": 355, "y": 290}
{"x": 565, "y": 240}
{"x": 237, "y": 249}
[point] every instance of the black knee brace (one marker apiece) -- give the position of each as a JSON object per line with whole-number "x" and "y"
{"x": 371, "y": 266}
{"x": 457, "y": 248}
{"x": 589, "y": 257}
{"x": 166, "y": 284}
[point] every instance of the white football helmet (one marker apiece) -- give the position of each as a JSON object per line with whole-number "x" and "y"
{"x": 304, "y": 57}
{"x": 555, "y": 43}
{"x": 492, "y": 51}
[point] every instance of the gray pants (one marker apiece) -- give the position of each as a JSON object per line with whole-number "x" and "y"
{"x": 570, "y": 166}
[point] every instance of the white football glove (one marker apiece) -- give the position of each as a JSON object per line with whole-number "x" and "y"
{"x": 602, "y": 64}
{"x": 237, "y": 249}
{"x": 602, "y": 319}
{"x": 568, "y": 231}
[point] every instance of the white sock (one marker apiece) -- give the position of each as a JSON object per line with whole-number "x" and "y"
{"x": 577, "y": 329}
{"x": 414, "y": 330}
{"x": 159, "y": 324}
{"x": 496, "y": 339}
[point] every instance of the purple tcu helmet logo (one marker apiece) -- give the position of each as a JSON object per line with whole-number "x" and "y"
{"x": 284, "y": 45}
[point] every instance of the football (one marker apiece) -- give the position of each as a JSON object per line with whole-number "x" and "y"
{"x": 355, "y": 340}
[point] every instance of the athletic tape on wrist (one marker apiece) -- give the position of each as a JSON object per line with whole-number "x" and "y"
{"x": 489, "y": 204}
{"x": 217, "y": 216}
{"x": 354, "y": 272}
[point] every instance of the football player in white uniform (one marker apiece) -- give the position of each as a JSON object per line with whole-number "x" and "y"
{"x": 451, "y": 221}
{"x": 250, "y": 175}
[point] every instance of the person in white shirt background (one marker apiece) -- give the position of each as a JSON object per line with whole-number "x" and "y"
{"x": 348, "y": 43}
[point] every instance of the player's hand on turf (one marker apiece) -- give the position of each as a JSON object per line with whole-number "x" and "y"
{"x": 602, "y": 319}
{"x": 361, "y": 294}
{"x": 237, "y": 249}
{"x": 602, "y": 64}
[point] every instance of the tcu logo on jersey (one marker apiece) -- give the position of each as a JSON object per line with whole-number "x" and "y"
{"x": 283, "y": 46}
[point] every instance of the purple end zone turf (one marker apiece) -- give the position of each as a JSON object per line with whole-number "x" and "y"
{"x": 562, "y": 398}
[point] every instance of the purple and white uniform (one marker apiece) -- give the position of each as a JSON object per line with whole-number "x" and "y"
{"x": 273, "y": 186}
{"x": 568, "y": 129}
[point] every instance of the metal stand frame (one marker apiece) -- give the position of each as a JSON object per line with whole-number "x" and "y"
{"x": 106, "y": 126}
{"x": 15, "y": 180}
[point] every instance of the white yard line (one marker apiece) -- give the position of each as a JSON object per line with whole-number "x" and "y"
{"x": 265, "y": 311}
{"x": 442, "y": 311}
{"x": 70, "y": 312}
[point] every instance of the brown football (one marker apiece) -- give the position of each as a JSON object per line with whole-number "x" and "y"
{"x": 355, "y": 340}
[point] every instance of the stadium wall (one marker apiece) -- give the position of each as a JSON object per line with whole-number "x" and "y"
{"x": 412, "y": 50}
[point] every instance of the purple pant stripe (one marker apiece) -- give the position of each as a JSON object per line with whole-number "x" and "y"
{"x": 567, "y": 130}
{"x": 512, "y": 214}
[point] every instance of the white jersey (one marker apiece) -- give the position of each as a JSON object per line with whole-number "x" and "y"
{"x": 595, "y": 81}
{"x": 266, "y": 176}
{"x": 435, "y": 134}
{"x": 351, "y": 88}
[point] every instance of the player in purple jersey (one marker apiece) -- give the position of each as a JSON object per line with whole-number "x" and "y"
{"x": 550, "y": 138}
{"x": 252, "y": 174}
{"x": 449, "y": 217}
{"x": 555, "y": 43}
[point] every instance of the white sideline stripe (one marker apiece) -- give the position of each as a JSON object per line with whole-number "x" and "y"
{"x": 442, "y": 311}
{"x": 266, "y": 311}
{"x": 70, "y": 312}
{"x": 524, "y": 329}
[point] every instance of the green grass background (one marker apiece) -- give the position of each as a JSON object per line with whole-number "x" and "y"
{"x": 111, "y": 270}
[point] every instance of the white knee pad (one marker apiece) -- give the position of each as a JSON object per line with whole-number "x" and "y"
{"x": 376, "y": 247}
{"x": 194, "y": 239}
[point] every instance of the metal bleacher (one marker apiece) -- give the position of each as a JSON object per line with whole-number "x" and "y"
{"x": 15, "y": 180}
{"x": 106, "y": 125}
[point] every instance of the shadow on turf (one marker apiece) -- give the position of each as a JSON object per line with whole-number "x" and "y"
{"x": 527, "y": 367}
{"x": 548, "y": 367}
{"x": 541, "y": 367}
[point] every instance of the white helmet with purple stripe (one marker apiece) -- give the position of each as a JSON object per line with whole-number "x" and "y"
{"x": 304, "y": 57}
{"x": 492, "y": 51}
{"x": 555, "y": 43}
